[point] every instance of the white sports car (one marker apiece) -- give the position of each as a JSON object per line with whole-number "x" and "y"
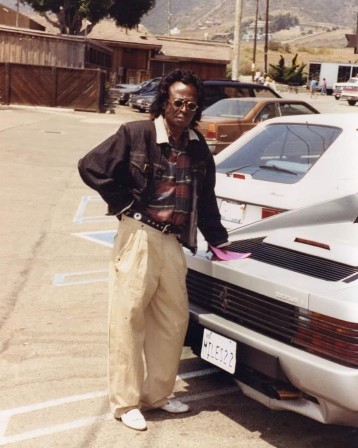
{"x": 286, "y": 163}
{"x": 284, "y": 321}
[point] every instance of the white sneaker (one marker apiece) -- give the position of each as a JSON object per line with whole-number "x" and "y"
{"x": 134, "y": 419}
{"x": 175, "y": 407}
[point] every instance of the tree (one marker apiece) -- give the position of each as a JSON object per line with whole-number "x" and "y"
{"x": 71, "y": 13}
{"x": 288, "y": 75}
{"x": 282, "y": 21}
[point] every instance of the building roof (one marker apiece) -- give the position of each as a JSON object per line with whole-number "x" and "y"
{"x": 12, "y": 17}
{"x": 106, "y": 30}
{"x": 64, "y": 37}
{"x": 187, "y": 49}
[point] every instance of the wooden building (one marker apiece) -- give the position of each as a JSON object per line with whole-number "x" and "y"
{"x": 61, "y": 66}
{"x": 207, "y": 59}
{"x": 23, "y": 46}
{"x": 133, "y": 50}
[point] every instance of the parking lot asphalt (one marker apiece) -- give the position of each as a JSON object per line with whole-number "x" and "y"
{"x": 55, "y": 246}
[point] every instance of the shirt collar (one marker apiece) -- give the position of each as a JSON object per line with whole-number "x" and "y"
{"x": 162, "y": 134}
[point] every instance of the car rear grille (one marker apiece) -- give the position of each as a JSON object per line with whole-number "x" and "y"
{"x": 327, "y": 337}
{"x": 255, "y": 311}
{"x": 294, "y": 261}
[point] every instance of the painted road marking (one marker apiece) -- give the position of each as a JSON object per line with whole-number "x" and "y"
{"x": 104, "y": 237}
{"x": 80, "y": 217}
{"x": 80, "y": 278}
{"x": 6, "y": 415}
{"x": 80, "y": 423}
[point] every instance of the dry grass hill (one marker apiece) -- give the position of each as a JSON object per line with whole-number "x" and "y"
{"x": 321, "y": 36}
{"x": 187, "y": 14}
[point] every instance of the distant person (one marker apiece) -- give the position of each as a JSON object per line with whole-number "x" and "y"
{"x": 257, "y": 76}
{"x": 324, "y": 87}
{"x": 270, "y": 83}
{"x": 267, "y": 81}
{"x": 313, "y": 87}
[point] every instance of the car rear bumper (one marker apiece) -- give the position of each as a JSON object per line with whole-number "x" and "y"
{"x": 283, "y": 377}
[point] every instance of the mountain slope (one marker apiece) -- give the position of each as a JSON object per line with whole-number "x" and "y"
{"x": 188, "y": 14}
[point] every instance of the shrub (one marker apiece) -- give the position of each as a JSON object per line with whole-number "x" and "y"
{"x": 288, "y": 75}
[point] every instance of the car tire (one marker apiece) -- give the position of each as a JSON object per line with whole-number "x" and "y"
{"x": 352, "y": 102}
{"x": 337, "y": 97}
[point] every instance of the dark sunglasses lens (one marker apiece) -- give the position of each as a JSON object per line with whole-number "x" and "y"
{"x": 192, "y": 106}
{"x": 178, "y": 103}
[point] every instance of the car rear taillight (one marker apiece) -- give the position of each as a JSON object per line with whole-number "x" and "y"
{"x": 335, "y": 339}
{"x": 267, "y": 212}
{"x": 211, "y": 132}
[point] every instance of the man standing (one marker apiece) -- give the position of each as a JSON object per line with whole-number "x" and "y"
{"x": 324, "y": 87}
{"x": 157, "y": 176}
{"x": 313, "y": 87}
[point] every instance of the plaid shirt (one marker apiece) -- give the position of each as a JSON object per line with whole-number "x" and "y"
{"x": 171, "y": 202}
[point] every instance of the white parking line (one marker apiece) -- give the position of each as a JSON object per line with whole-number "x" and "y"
{"x": 80, "y": 278}
{"x": 80, "y": 423}
{"x": 80, "y": 217}
{"x": 6, "y": 415}
{"x": 103, "y": 237}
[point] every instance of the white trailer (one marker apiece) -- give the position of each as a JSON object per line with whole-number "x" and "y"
{"x": 332, "y": 71}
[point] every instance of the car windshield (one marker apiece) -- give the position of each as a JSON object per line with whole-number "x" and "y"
{"x": 281, "y": 152}
{"x": 229, "y": 108}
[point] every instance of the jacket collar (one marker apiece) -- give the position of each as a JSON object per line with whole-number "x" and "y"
{"x": 162, "y": 134}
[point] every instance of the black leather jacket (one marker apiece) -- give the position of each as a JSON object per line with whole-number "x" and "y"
{"x": 122, "y": 167}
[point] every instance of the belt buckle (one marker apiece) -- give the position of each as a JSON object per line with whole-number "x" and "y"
{"x": 166, "y": 228}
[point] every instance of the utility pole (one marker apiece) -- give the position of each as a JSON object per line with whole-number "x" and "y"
{"x": 169, "y": 16}
{"x": 266, "y": 36}
{"x": 356, "y": 48}
{"x": 236, "y": 51}
{"x": 17, "y": 13}
{"x": 255, "y": 41}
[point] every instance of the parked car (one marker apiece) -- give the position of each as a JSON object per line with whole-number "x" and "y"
{"x": 218, "y": 89}
{"x": 146, "y": 86}
{"x": 226, "y": 120}
{"x": 141, "y": 102}
{"x": 338, "y": 86}
{"x": 286, "y": 163}
{"x": 350, "y": 93}
{"x": 120, "y": 89}
{"x": 284, "y": 321}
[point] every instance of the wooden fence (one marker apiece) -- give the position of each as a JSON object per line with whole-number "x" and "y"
{"x": 79, "y": 89}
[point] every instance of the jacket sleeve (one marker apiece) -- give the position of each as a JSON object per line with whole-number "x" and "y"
{"x": 105, "y": 169}
{"x": 209, "y": 219}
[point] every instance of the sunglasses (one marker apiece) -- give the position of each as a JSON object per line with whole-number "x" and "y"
{"x": 179, "y": 103}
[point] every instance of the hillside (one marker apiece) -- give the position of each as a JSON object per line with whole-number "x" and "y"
{"x": 189, "y": 14}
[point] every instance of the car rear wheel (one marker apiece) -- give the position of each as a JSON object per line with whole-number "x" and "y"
{"x": 352, "y": 102}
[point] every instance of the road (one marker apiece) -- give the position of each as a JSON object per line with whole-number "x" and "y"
{"x": 55, "y": 247}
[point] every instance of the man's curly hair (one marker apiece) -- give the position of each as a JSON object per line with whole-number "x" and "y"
{"x": 162, "y": 94}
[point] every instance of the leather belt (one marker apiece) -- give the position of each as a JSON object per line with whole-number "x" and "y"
{"x": 161, "y": 226}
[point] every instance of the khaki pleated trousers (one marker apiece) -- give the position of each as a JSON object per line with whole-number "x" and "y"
{"x": 148, "y": 316}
